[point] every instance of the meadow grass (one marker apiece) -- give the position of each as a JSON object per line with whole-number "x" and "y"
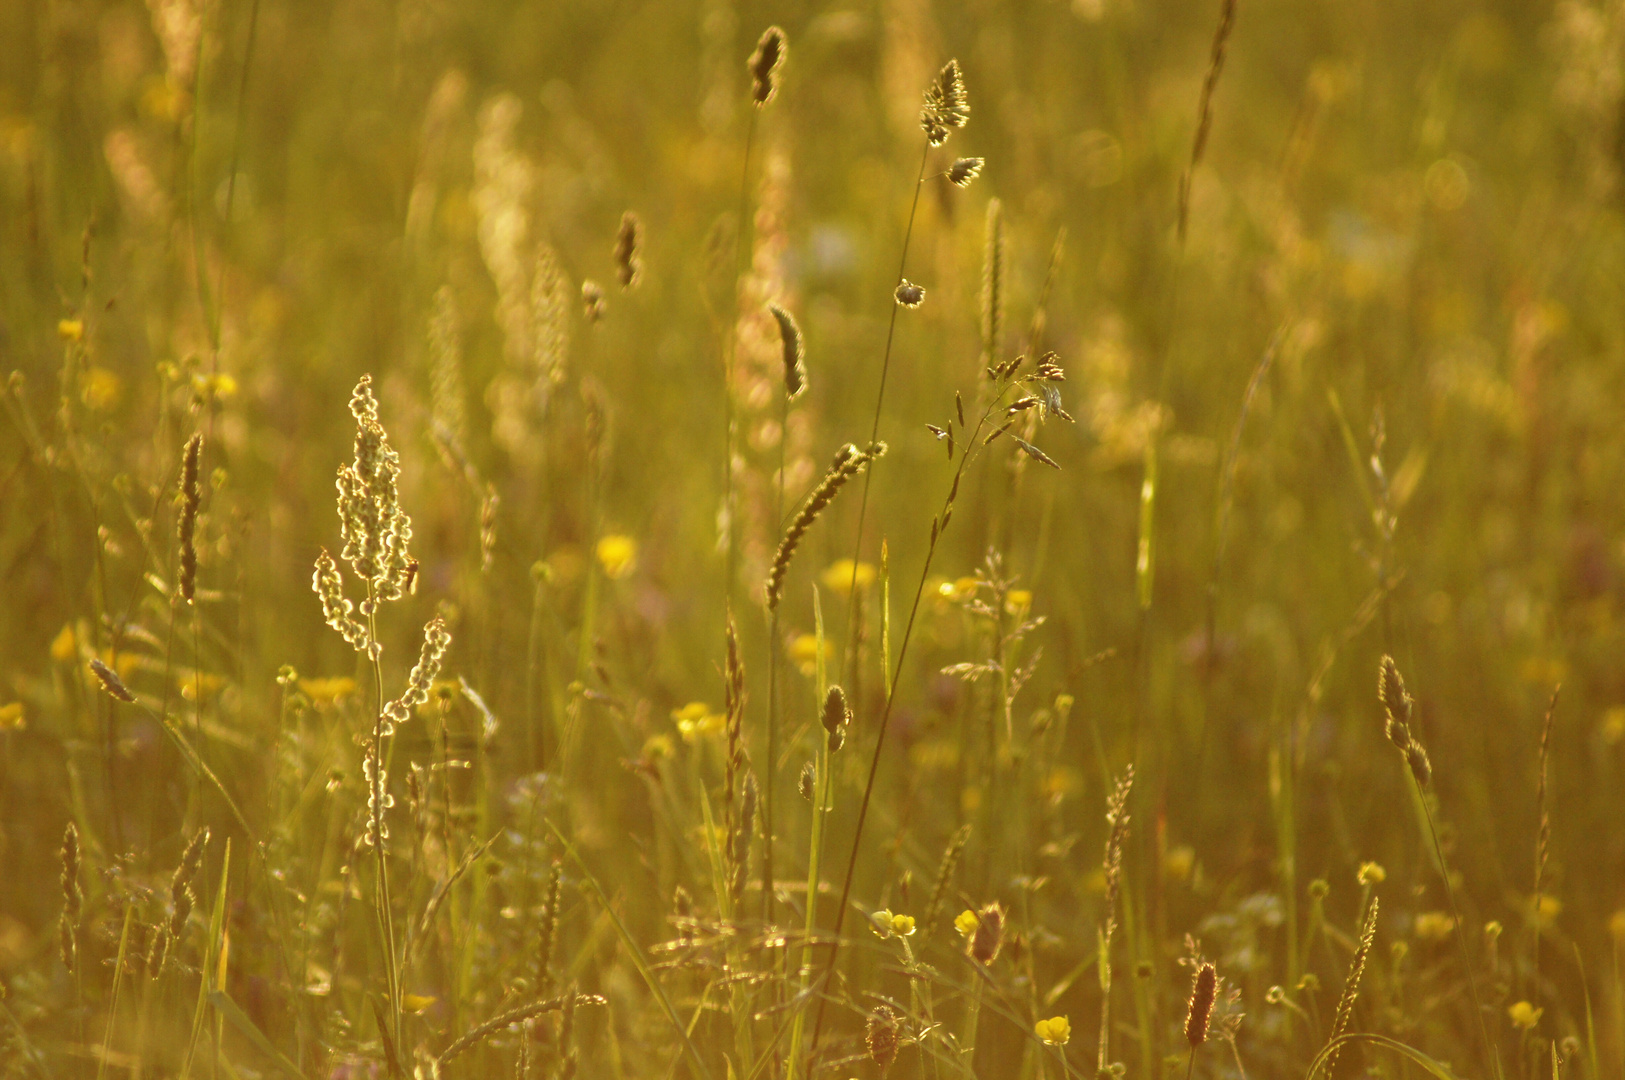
{"x": 1001, "y": 707}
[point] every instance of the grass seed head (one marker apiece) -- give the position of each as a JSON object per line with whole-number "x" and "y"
{"x": 1204, "y": 991}
{"x": 989, "y": 936}
{"x": 771, "y": 50}
{"x": 795, "y": 368}
{"x": 947, "y": 106}
{"x": 628, "y": 263}
{"x": 881, "y": 1037}
{"x": 186, "y": 527}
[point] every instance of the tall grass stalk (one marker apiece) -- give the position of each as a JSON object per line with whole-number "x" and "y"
{"x": 938, "y": 525}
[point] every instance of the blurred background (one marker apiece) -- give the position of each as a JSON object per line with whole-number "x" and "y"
{"x": 1369, "y": 404}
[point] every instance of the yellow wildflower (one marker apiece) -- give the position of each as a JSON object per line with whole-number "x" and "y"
{"x": 100, "y": 389}
{"x": 1613, "y": 725}
{"x": 838, "y": 576}
{"x": 327, "y": 691}
{"x": 966, "y": 923}
{"x": 1544, "y": 910}
{"x": 70, "y": 329}
{"x": 658, "y": 746}
{"x": 696, "y": 719}
{"x": 1017, "y": 601}
{"x": 1372, "y": 873}
{"x": 1055, "y": 1031}
{"x": 11, "y": 717}
{"x": 804, "y": 652}
{"x": 64, "y": 646}
{"x": 1179, "y": 862}
{"x": 618, "y": 555}
{"x": 1524, "y": 1015}
{"x": 1616, "y": 925}
{"x": 1434, "y": 925}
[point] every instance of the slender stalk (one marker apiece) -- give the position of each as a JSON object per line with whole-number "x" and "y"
{"x": 880, "y": 397}
{"x": 885, "y": 715}
{"x": 729, "y": 348}
{"x": 773, "y": 646}
{"x": 386, "y": 918}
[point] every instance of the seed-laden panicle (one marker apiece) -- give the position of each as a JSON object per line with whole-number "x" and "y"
{"x": 377, "y": 533}
{"x": 73, "y": 898}
{"x": 764, "y": 64}
{"x": 1204, "y": 991}
{"x": 182, "y": 897}
{"x": 993, "y": 273}
{"x": 945, "y": 874}
{"x": 848, "y": 463}
{"x": 1117, "y": 833}
{"x": 795, "y": 368}
{"x": 1396, "y": 702}
{"x": 1351, "y": 988}
{"x": 837, "y": 714}
{"x": 111, "y": 683}
{"x": 186, "y": 527}
{"x": 379, "y": 800}
{"x": 964, "y": 170}
{"x": 548, "y": 932}
{"x": 989, "y": 936}
{"x": 881, "y": 1037}
{"x": 1398, "y": 706}
{"x": 947, "y": 107}
{"x": 435, "y": 640}
{"x": 628, "y": 239}
{"x": 338, "y": 611}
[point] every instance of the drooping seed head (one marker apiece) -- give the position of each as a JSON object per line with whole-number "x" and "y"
{"x": 910, "y": 295}
{"x": 964, "y": 170}
{"x": 1396, "y": 702}
{"x": 110, "y": 682}
{"x": 795, "y": 368}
